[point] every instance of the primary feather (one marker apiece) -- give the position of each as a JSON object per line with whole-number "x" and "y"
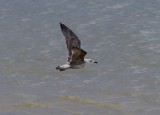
{"x": 70, "y": 38}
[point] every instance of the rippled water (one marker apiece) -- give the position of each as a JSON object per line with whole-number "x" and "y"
{"x": 122, "y": 35}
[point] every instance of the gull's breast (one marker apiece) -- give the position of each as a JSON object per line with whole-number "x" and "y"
{"x": 76, "y": 66}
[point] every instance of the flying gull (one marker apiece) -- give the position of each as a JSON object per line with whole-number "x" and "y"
{"x": 75, "y": 53}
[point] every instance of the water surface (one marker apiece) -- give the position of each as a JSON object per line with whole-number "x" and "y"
{"x": 122, "y": 35}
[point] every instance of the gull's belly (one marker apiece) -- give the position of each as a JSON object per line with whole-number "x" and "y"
{"x": 78, "y": 66}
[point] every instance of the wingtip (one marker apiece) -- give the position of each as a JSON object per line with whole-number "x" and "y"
{"x": 60, "y": 23}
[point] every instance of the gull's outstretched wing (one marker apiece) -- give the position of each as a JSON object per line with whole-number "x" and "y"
{"x": 71, "y": 39}
{"x": 77, "y": 54}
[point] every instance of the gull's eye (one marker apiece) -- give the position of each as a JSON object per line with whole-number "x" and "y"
{"x": 90, "y": 60}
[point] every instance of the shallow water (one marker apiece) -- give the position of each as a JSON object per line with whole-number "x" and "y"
{"x": 122, "y": 35}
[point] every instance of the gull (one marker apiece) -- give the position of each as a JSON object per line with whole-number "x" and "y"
{"x": 75, "y": 53}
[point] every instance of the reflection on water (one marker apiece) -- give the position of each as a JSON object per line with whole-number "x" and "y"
{"x": 123, "y": 36}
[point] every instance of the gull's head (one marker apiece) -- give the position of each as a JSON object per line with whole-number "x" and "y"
{"x": 90, "y": 61}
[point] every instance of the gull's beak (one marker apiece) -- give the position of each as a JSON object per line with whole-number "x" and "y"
{"x": 95, "y": 62}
